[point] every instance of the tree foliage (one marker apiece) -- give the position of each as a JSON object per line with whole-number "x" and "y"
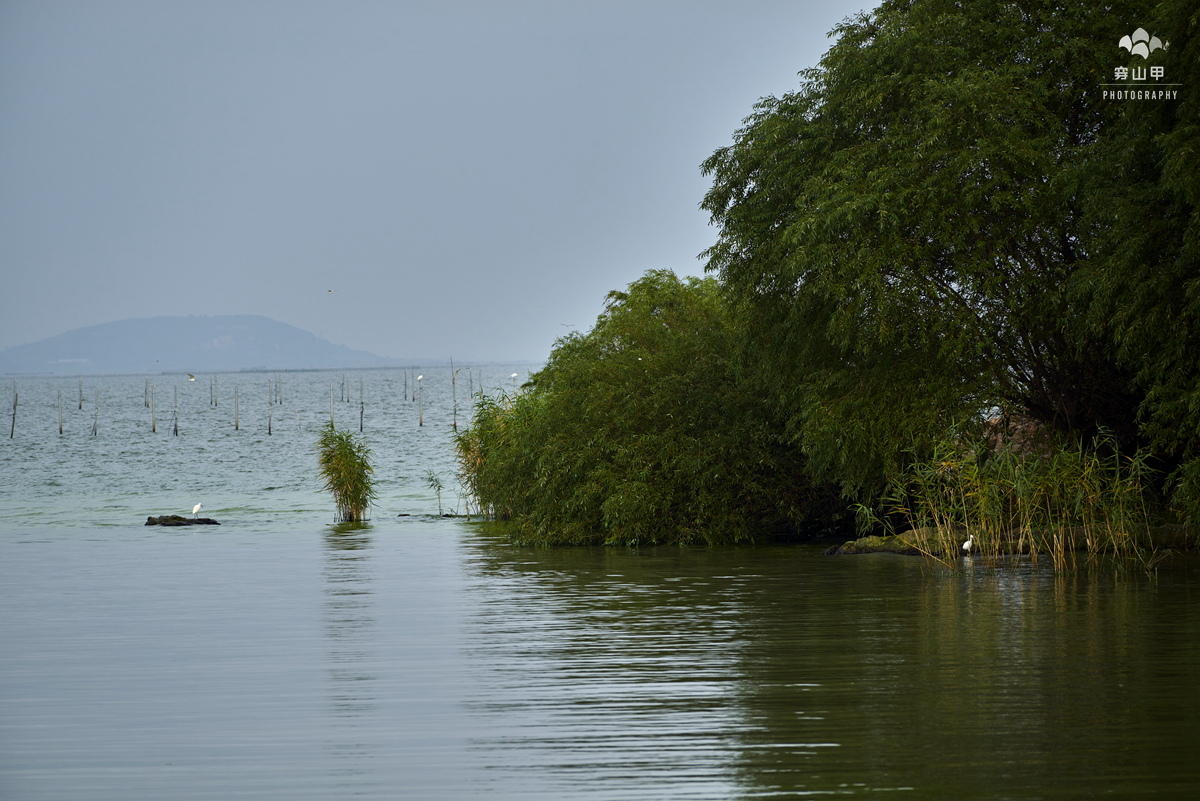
{"x": 641, "y": 431}
{"x": 1143, "y": 290}
{"x": 915, "y": 230}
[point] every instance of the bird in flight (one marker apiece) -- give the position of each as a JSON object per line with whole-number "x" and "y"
{"x": 331, "y": 292}
{"x": 191, "y": 377}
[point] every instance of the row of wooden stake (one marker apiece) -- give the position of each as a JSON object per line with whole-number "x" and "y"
{"x": 275, "y": 393}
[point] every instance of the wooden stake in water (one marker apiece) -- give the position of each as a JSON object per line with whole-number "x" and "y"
{"x": 454, "y": 392}
{"x": 153, "y": 411}
{"x": 60, "y": 412}
{"x": 147, "y": 393}
{"x": 330, "y": 404}
{"x": 270, "y": 409}
{"x": 297, "y": 411}
{"x": 14, "y": 424}
{"x": 215, "y": 397}
{"x": 96, "y": 418}
{"x": 421, "y": 403}
{"x": 176, "y": 410}
{"x": 236, "y": 421}
{"x": 80, "y": 393}
{"x": 361, "y": 406}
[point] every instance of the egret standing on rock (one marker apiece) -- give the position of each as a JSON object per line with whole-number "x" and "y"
{"x": 196, "y": 509}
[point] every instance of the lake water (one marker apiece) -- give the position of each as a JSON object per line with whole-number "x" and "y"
{"x": 282, "y": 656}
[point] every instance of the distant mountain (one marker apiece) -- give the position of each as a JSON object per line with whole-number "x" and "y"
{"x": 183, "y": 344}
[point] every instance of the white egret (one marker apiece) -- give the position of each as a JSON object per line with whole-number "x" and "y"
{"x": 969, "y": 544}
{"x": 196, "y": 509}
{"x": 514, "y": 378}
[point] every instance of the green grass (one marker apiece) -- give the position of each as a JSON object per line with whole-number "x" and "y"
{"x": 1060, "y": 501}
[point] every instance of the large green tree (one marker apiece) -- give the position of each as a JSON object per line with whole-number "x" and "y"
{"x": 642, "y": 431}
{"x": 1143, "y": 287}
{"x": 907, "y": 228}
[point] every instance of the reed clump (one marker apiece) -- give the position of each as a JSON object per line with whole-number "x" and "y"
{"x": 1059, "y": 500}
{"x": 345, "y": 465}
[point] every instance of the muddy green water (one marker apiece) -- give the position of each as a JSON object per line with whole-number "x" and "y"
{"x": 433, "y": 661}
{"x": 279, "y": 656}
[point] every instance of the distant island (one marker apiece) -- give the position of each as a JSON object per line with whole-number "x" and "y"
{"x": 183, "y": 344}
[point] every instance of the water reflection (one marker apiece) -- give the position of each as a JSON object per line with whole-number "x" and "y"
{"x": 597, "y": 666}
{"x": 425, "y": 661}
{"x": 778, "y": 672}
{"x": 350, "y": 632}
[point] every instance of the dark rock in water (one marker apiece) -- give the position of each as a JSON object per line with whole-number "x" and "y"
{"x": 873, "y": 544}
{"x": 179, "y": 520}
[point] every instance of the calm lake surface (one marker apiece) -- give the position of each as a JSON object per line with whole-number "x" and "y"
{"x": 282, "y": 656}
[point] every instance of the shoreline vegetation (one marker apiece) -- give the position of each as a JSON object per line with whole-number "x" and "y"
{"x": 937, "y": 308}
{"x": 643, "y": 431}
{"x": 345, "y": 467}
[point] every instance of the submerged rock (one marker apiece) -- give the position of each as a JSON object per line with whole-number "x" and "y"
{"x": 1070, "y": 539}
{"x": 179, "y": 520}
{"x": 892, "y": 544}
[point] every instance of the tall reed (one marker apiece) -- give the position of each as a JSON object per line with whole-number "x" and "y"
{"x": 1060, "y": 501}
{"x": 434, "y": 481}
{"x": 346, "y": 469}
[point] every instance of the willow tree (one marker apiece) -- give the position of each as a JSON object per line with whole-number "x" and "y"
{"x": 1144, "y": 290}
{"x": 905, "y": 230}
{"x": 642, "y": 431}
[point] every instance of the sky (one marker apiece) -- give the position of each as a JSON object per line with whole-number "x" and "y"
{"x": 469, "y": 178}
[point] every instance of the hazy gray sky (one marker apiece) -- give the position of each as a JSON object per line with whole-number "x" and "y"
{"x": 470, "y": 178}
